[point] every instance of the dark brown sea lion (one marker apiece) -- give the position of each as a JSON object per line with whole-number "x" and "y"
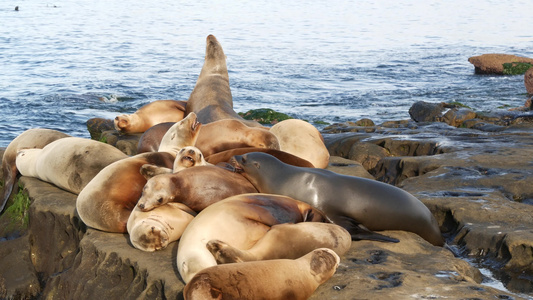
{"x": 357, "y": 204}
{"x": 211, "y": 97}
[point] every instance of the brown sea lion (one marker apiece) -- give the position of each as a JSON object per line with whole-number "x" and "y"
{"x": 215, "y": 137}
{"x": 108, "y": 199}
{"x": 182, "y": 134}
{"x": 69, "y": 163}
{"x": 211, "y": 97}
{"x": 270, "y": 279}
{"x": 357, "y": 204}
{"x": 31, "y": 138}
{"x": 302, "y": 139}
{"x": 196, "y": 187}
{"x": 239, "y": 221}
{"x": 286, "y": 157}
{"x": 153, "y": 113}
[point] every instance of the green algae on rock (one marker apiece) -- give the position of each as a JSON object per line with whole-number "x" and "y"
{"x": 265, "y": 116}
{"x": 516, "y": 68}
{"x": 18, "y": 211}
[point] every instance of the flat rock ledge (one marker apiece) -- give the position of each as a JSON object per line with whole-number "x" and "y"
{"x": 476, "y": 183}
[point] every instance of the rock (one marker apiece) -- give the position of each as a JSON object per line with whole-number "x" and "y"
{"x": 456, "y": 117}
{"x": 348, "y": 167}
{"x": 96, "y": 126}
{"x": 493, "y": 63}
{"x": 528, "y": 81}
{"x": 21, "y": 279}
{"x": 426, "y": 112}
{"x": 368, "y": 154}
{"x": 125, "y": 142}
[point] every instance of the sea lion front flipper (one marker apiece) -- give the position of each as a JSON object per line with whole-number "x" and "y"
{"x": 10, "y": 176}
{"x": 360, "y": 232}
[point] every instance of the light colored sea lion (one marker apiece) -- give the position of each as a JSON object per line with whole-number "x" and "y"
{"x": 286, "y": 241}
{"x": 357, "y": 204}
{"x": 69, "y": 163}
{"x": 187, "y": 157}
{"x": 303, "y": 140}
{"x": 239, "y": 221}
{"x": 154, "y": 230}
{"x": 270, "y": 279}
{"x": 153, "y": 113}
{"x": 196, "y": 187}
{"x": 182, "y": 134}
{"x": 31, "y": 138}
{"x": 285, "y": 157}
{"x": 108, "y": 199}
{"x": 211, "y": 97}
{"x": 215, "y": 137}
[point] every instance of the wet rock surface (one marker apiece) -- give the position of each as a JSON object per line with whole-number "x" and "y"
{"x": 493, "y": 63}
{"x": 477, "y": 183}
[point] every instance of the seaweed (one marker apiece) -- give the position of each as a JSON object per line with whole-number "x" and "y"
{"x": 516, "y": 68}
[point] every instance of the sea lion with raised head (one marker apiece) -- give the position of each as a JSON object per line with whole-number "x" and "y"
{"x": 153, "y": 113}
{"x": 68, "y": 163}
{"x": 154, "y": 230}
{"x": 239, "y": 221}
{"x": 196, "y": 187}
{"x": 31, "y": 138}
{"x": 357, "y": 204}
{"x": 211, "y": 97}
{"x": 270, "y": 279}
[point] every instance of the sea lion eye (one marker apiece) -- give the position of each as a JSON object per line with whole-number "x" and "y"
{"x": 243, "y": 159}
{"x": 181, "y": 151}
{"x": 160, "y": 200}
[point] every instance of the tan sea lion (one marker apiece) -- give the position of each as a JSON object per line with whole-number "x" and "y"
{"x": 182, "y": 134}
{"x": 357, "y": 204}
{"x": 215, "y": 137}
{"x": 187, "y": 157}
{"x": 211, "y": 97}
{"x": 196, "y": 187}
{"x": 239, "y": 221}
{"x": 154, "y": 230}
{"x": 108, "y": 199}
{"x": 270, "y": 279}
{"x": 153, "y": 113}
{"x": 31, "y": 138}
{"x": 303, "y": 140}
{"x": 69, "y": 163}
{"x": 288, "y": 241}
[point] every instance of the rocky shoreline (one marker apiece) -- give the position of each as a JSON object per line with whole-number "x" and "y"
{"x": 476, "y": 181}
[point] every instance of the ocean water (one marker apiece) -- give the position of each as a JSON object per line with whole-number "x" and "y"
{"x": 65, "y": 62}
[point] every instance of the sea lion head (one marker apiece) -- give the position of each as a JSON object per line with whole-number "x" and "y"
{"x": 182, "y": 134}
{"x": 122, "y": 123}
{"x": 187, "y": 157}
{"x": 149, "y": 235}
{"x": 157, "y": 191}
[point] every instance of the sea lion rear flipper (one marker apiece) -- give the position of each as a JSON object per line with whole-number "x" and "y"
{"x": 360, "y": 232}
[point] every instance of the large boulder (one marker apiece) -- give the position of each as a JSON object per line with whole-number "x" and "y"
{"x": 528, "y": 81}
{"x": 493, "y": 63}
{"x": 422, "y": 111}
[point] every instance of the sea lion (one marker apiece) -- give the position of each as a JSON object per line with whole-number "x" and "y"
{"x": 31, "y": 138}
{"x": 68, "y": 163}
{"x": 354, "y": 203}
{"x": 187, "y": 157}
{"x": 211, "y": 97}
{"x": 153, "y": 113}
{"x": 182, "y": 134}
{"x": 239, "y": 221}
{"x": 285, "y": 157}
{"x": 271, "y": 279}
{"x": 302, "y": 139}
{"x": 215, "y": 137}
{"x": 286, "y": 241}
{"x": 108, "y": 199}
{"x": 196, "y": 187}
{"x": 154, "y": 230}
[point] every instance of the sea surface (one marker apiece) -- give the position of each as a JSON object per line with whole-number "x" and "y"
{"x": 64, "y": 62}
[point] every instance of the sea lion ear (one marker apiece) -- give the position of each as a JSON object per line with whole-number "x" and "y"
{"x": 149, "y": 170}
{"x": 257, "y": 165}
